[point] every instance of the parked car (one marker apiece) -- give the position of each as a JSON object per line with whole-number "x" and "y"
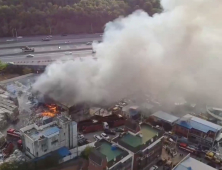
{"x": 110, "y": 132}
{"x": 64, "y": 34}
{"x": 80, "y": 136}
{"x": 97, "y": 137}
{"x": 154, "y": 167}
{"x": 104, "y": 136}
{"x": 119, "y": 130}
{"x": 30, "y": 56}
{"x": 19, "y": 37}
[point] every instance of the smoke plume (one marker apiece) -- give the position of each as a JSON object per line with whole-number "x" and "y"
{"x": 172, "y": 54}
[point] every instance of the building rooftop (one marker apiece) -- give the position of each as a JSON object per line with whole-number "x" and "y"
{"x": 106, "y": 150}
{"x": 36, "y": 134}
{"x": 165, "y": 116}
{"x": 192, "y": 164}
{"x": 189, "y": 121}
{"x": 134, "y": 143}
{"x": 132, "y": 125}
{"x": 147, "y": 133}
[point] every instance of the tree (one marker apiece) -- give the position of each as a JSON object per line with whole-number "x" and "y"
{"x": 2, "y": 66}
{"x": 85, "y": 154}
{"x": 27, "y": 70}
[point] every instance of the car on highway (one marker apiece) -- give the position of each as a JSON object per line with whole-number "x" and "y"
{"x": 27, "y": 49}
{"x": 97, "y": 137}
{"x": 104, "y": 136}
{"x": 10, "y": 40}
{"x": 154, "y": 167}
{"x": 68, "y": 53}
{"x": 19, "y": 37}
{"x": 89, "y": 43}
{"x": 30, "y": 56}
{"x": 46, "y": 39}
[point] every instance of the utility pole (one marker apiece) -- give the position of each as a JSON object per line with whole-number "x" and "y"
{"x": 12, "y": 32}
{"x": 16, "y": 34}
{"x": 50, "y": 30}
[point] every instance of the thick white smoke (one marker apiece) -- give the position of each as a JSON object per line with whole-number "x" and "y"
{"x": 175, "y": 53}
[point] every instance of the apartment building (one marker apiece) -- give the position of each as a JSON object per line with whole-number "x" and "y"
{"x": 109, "y": 156}
{"x": 143, "y": 141}
{"x": 40, "y": 140}
{"x": 197, "y": 130}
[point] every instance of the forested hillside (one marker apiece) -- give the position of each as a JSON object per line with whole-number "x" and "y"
{"x": 35, "y": 17}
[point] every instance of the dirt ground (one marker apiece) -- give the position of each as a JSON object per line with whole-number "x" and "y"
{"x": 7, "y": 76}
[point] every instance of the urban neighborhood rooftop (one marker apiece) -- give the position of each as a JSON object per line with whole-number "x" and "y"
{"x": 108, "y": 151}
{"x": 147, "y": 133}
{"x": 135, "y": 142}
{"x": 165, "y": 116}
{"x": 36, "y": 134}
{"x": 192, "y": 164}
{"x": 189, "y": 121}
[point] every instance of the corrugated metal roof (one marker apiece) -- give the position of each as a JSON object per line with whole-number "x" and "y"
{"x": 190, "y": 122}
{"x": 165, "y": 116}
{"x": 193, "y": 164}
{"x": 50, "y": 131}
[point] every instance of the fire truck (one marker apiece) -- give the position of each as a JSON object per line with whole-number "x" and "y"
{"x": 13, "y": 133}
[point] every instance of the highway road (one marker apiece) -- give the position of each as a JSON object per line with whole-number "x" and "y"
{"x": 44, "y": 49}
{"x": 48, "y": 56}
{"x": 54, "y": 37}
{"x": 48, "y": 43}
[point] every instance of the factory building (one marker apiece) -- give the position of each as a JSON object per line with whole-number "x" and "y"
{"x": 110, "y": 157}
{"x": 163, "y": 119}
{"x": 144, "y": 142}
{"x": 40, "y": 140}
{"x": 189, "y": 163}
{"x": 197, "y": 130}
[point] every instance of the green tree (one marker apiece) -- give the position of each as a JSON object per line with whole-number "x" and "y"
{"x": 27, "y": 70}
{"x": 2, "y": 66}
{"x": 85, "y": 154}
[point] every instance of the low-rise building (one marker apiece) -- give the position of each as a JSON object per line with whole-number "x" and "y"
{"x": 189, "y": 163}
{"x": 144, "y": 142}
{"x": 40, "y": 140}
{"x": 109, "y": 156}
{"x": 197, "y": 130}
{"x": 163, "y": 119}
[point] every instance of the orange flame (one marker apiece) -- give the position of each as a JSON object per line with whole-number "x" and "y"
{"x": 52, "y": 111}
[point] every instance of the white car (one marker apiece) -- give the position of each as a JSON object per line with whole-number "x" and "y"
{"x": 19, "y": 37}
{"x": 30, "y": 56}
{"x": 97, "y": 137}
{"x": 80, "y": 136}
{"x": 89, "y": 43}
{"x": 104, "y": 136}
{"x": 154, "y": 167}
{"x": 10, "y": 40}
{"x": 68, "y": 53}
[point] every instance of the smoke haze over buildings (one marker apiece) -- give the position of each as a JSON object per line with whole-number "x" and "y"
{"x": 172, "y": 54}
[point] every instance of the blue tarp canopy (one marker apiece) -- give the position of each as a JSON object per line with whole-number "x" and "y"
{"x": 202, "y": 125}
{"x": 63, "y": 152}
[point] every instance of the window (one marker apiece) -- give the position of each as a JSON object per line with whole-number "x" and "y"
{"x": 54, "y": 142}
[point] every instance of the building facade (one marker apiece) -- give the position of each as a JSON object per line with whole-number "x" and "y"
{"x": 109, "y": 156}
{"x": 197, "y": 130}
{"x": 145, "y": 145}
{"x": 40, "y": 140}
